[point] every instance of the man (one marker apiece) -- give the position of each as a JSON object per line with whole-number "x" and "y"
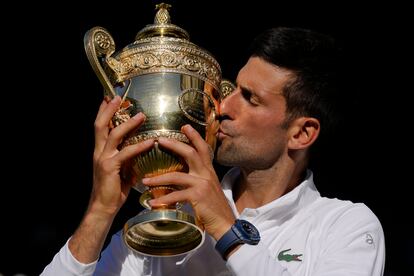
{"x": 268, "y": 125}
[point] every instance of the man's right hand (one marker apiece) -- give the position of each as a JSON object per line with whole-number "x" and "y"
{"x": 109, "y": 192}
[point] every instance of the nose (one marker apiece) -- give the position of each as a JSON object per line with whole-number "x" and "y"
{"x": 228, "y": 105}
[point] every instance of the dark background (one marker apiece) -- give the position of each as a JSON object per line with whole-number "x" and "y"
{"x": 52, "y": 95}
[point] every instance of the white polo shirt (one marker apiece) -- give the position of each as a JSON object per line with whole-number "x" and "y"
{"x": 301, "y": 233}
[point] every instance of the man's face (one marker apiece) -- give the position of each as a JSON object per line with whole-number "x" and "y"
{"x": 250, "y": 134}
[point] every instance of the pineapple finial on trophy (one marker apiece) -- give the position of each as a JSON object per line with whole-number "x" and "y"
{"x": 162, "y": 26}
{"x": 162, "y": 16}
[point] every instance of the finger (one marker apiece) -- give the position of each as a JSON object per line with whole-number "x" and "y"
{"x": 205, "y": 151}
{"x": 105, "y": 114}
{"x": 188, "y": 152}
{"x": 98, "y": 137}
{"x": 118, "y": 133}
{"x": 133, "y": 150}
{"x": 102, "y": 106}
{"x": 171, "y": 198}
{"x": 175, "y": 178}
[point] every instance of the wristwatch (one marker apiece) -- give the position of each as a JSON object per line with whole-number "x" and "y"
{"x": 240, "y": 232}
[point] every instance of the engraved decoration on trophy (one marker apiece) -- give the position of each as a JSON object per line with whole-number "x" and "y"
{"x": 173, "y": 82}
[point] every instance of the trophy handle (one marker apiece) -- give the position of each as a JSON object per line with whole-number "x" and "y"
{"x": 98, "y": 42}
{"x": 189, "y": 97}
{"x": 226, "y": 87}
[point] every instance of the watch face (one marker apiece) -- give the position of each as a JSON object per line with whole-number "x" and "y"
{"x": 249, "y": 232}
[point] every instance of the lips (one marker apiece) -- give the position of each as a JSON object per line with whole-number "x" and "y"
{"x": 221, "y": 134}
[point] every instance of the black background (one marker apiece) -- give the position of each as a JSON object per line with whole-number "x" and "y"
{"x": 51, "y": 95}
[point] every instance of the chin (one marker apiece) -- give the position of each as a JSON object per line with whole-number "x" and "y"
{"x": 226, "y": 158}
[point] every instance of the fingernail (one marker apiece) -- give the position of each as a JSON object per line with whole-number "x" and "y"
{"x": 138, "y": 116}
{"x": 162, "y": 139}
{"x": 145, "y": 180}
{"x": 117, "y": 98}
{"x": 187, "y": 127}
{"x": 149, "y": 141}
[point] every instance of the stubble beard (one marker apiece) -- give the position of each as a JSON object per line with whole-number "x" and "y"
{"x": 234, "y": 155}
{"x": 226, "y": 155}
{"x": 245, "y": 155}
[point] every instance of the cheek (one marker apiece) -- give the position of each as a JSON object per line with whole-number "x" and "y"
{"x": 265, "y": 132}
{"x": 261, "y": 125}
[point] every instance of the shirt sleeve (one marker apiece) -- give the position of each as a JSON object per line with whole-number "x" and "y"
{"x": 116, "y": 259}
{"x": 354, "y": 245}
{"x": 64, "y": 264}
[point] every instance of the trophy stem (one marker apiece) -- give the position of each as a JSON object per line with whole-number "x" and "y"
{"x": 156, "y": 192}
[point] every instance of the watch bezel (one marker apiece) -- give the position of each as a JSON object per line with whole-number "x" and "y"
{"x": 246, "y": 231}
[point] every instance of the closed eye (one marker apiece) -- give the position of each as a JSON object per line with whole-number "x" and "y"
{"x": 248, "y": 96}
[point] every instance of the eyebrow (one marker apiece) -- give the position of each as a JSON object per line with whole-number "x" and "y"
{"x": 246, "y": 89}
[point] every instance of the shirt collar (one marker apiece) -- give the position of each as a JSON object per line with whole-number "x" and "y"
{"x": 279, "y": 209}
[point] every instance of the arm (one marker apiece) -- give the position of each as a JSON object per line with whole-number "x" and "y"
{"x": 109, "y": 192}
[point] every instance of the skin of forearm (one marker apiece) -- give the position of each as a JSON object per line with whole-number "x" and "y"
{"x": 88, "y": 239}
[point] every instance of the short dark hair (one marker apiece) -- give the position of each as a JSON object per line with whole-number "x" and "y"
{"x": 314, "y": 58}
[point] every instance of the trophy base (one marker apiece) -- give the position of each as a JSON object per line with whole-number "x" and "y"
{"x": 162, "y": 232}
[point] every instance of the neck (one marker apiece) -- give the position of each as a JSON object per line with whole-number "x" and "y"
{"x": 256, "y": 188}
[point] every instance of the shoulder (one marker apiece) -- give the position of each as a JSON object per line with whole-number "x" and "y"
{"x": 346, "y": 219}
{"x": 351, "y": 237}
{"x": 115, "y": 250}
{"x": 118, "y": 257}
{"x": 117, "y": 245}
{"x": 346, "y": 211}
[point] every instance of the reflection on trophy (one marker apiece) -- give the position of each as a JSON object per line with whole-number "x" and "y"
{"x": 173, "y": 82}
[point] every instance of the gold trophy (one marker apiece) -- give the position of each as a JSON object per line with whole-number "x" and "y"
{"x": 173, "y": 82}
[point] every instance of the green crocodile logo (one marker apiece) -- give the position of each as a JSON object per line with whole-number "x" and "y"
{"x": 288, "y": 257}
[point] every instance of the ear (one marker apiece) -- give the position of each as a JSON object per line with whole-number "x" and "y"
{"x": 303, "y": 132}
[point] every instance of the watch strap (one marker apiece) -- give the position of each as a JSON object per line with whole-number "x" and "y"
{"x": 227, "y": 241}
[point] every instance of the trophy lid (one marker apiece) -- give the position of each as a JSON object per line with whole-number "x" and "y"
{"x": 162, "y": 25}
{"x": 163, "y": 47}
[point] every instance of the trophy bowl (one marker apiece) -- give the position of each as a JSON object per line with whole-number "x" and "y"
{"x": 173, "y": 82}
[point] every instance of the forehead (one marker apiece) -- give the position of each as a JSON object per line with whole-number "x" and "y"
{"x": 260, "y": 75}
